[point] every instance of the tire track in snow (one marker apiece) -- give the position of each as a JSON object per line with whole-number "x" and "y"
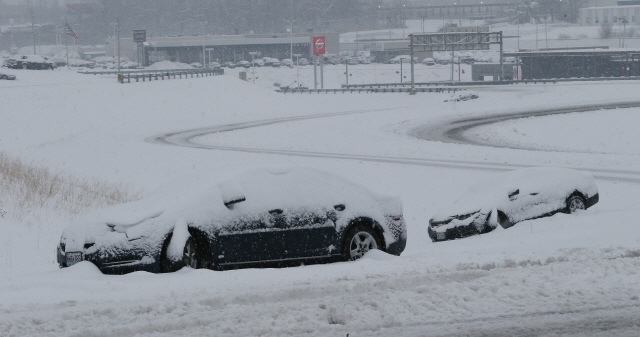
{"x": 448, "y": 132}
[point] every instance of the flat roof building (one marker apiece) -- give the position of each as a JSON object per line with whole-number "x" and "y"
{"x": 221, "y": 48}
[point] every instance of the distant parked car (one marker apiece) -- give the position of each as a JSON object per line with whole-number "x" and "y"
{"x": 513, "y": 197}
{"x": 364, "y": 60}
{"x": 244, "y": 64}
{"x": 467, "y": 59}
{"x": 29, "y": 62}
{"x": 428, "y": 61}
{"x": 265, "y": 217}
{"x": 196, "y": 65}
{"x": 351, "y": 61}
{"x": 303, "y": 61}
{"x": 403, "y": 59}
{"x": 214, "y": 65}
{"x": 229, "y": 64}
{"x": 286, "y": 62}
{"x": 257, "y": 63}
{"x": 270, "y": 61}
{"x": 7, "y": 77}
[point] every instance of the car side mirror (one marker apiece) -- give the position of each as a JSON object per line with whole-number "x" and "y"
{"x": 231, "y": 193}
{"x": 513, "y": 194}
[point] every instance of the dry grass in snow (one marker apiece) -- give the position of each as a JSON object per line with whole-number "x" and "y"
{"x": 26, "y": 188}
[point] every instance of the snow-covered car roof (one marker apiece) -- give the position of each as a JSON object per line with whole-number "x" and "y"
{"x": 556, "y": 183}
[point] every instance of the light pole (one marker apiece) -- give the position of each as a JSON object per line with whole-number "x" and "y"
{"x": 298, "y": 66}
{"x": 291, "y": 38}
{"x": 253, "y": 63}
{"x": 204, "y": 59}
{"x": 118, "y": 28}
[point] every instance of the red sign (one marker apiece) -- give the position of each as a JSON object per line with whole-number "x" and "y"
{"x": 318, "y": 45}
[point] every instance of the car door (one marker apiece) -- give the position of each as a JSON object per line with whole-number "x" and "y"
{"x": 306, "y": 233}
{"x": 250, "y": 238}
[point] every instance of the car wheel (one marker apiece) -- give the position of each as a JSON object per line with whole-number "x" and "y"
{"x": 574, "y": 203}
{"x": 359, "y": 240}
{"x": 190, "y": 254}
{"x": 4, "y": 77}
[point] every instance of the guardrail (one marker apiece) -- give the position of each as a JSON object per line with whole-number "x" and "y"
{"x": 449, "y": 83}
{"x": 125, "y": 76}
{"x": 366, "y": 90}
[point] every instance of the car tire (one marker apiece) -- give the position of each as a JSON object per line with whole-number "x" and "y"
{"x": 359, "y": 240}
{"x": 574, "y": 203}
{"x": 190, "y": 255}
{"x": 4, "y": 77}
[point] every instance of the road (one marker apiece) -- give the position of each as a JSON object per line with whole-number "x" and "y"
{"x": 451, "y": 131}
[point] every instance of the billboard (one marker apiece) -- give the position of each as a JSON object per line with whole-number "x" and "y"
{"x": 140, "y": 35}
{"x": 318, "y": 44}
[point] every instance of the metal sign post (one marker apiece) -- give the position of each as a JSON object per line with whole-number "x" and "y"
{"x": 318, "y": 45}
{"x": 139, "y": 37}
{"x": 315, "y": 71}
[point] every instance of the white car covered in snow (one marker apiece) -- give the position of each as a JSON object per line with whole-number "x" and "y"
{"x": 265, "y": 217}
{"x": 513, "y": 197}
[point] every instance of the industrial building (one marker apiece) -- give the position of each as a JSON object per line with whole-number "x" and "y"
{"x": 220, "y": 48}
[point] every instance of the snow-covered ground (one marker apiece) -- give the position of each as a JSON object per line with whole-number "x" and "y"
{"x": 566, "y": 275}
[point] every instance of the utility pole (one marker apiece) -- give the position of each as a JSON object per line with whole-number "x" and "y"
{"x": 204, "y": 58}
{"x": 298, "y": 67}
{"x": 33, "y": 30}
{"x": 118, "y": 28}
{"x": 253, "y": 63}
{"x": 346, "y": 73}
{"x": 291, "y": 36}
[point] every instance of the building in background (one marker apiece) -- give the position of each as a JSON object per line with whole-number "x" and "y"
{"x": 610, "y": 12}
{"x": 221, "y": 48}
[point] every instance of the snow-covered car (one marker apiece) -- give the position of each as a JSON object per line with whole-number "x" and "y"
{"x": 7, "y": 77}
{"x": 229, "y": 64}
{"x": 29, "y": 62}
{"x": 214, "y": 65}
{"x": 303, "y": 61}
{"x": 513, "y": 197}
{"x": 286, "y": 62}
{"x": 428, "y": 61}
{"x": 264, "y": 217}
{"x": 244, "y": 64}
{"x": 196, "y": 65}
{"x": 403, "y": 59}
{"x": 257, "y": 63}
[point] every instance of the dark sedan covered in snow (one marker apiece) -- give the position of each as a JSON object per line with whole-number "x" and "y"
{"x": 265, "y": 217}
{"x": 513, "y": 197}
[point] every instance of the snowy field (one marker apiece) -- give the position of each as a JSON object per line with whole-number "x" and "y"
{"x": 566, "y": 275}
